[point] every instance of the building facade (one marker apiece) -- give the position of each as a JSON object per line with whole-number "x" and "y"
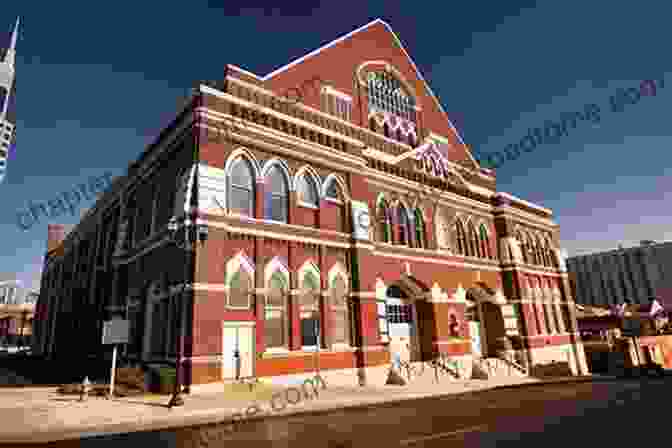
{"x": 347, "y": 223}
{"x": 7, "y": 93}
{"x": 637, "y": 274}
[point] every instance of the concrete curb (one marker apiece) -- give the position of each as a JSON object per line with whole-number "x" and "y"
{"x": 219, "y": 416}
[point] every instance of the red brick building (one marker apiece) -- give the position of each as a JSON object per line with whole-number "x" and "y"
{"x": 337, "y": 195}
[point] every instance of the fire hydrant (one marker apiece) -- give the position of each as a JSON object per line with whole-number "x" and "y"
{"x": 85, "y": 389}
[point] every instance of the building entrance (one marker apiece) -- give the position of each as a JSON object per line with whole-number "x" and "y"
{"x": 410, "y": 321}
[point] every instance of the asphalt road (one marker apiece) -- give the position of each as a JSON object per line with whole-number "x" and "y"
{"x": 614, "y": 414}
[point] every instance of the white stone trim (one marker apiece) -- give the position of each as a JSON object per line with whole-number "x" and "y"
{"x": 398, "y": 256}
{"x": 337, "y": 93}
{"x": 211, "y": 113}
{"x": 338, "y": 269}
{"x": 308, "y": 266}
{"x": 276, "y": 264}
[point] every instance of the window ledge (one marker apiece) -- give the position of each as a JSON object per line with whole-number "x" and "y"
{"x": 237, "y": 308}
{"x": 334, "y": 201}
{"x": 307, "y": 205}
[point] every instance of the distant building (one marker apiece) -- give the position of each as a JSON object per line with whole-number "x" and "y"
{"x": 636, "y": 273}
{"x": 16, "y": 311}
{"x": 7, "y": 94}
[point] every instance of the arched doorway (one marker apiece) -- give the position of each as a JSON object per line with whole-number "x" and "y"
{"x": 410, "y": 319}
{"x": 486, "y": 320}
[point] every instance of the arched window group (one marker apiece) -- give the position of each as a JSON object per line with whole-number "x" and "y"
{"x": 470, "y": 240}
{"x": 397, "y": 225}
{"x": 536, "y": 250}
{"x": 316, "y": 311}
{"x": 391, "y": 108}
{"x": 242, "y": 173}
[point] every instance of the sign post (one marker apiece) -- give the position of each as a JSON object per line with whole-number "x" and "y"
{"x": 114, "y": 366}
{"x": 115, "y": 332}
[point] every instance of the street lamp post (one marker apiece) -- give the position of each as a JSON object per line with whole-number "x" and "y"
{"x": 192, "y": 232}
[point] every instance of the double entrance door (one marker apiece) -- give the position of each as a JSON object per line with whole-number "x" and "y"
{"x": 238, "y": 350}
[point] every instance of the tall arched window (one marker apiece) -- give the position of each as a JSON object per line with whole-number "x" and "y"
{"x": 524, "y": 248}
{"x": 241, "y": 187}
{"x": 276, "y": 190}
{"x": 461, "y": 237}
{"x": 420, "y": 235}
{"x": 384, "y": 224}
{"x": 485, "y": 241}
{"x": 240, "y": 290}
{"x": 339, "y": 306}
{"x": 402, "y": 222}
{"x": 474, "y": 250}
{"x": 276, "y": 326}
{"x": 332, "y": 191}
{"x": 309, "y": 311}
{"x": 307, "y": 191}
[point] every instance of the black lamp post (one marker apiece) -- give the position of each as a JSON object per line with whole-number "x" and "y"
{"x": 193, "y": 232}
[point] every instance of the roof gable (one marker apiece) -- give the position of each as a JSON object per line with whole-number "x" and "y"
{"x": 337, "y": 62}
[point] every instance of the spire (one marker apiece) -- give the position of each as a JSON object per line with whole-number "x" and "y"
{"x": 11, "y": 51}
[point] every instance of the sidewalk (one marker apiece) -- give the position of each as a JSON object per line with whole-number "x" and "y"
{"x": 41, "y": 415}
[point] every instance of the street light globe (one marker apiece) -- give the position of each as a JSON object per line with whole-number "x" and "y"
{"x": 172, "y": 224}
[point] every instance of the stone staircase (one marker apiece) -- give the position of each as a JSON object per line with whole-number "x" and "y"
{"x": 486, "y": 368}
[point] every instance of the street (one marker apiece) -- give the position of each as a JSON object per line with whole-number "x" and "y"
{"x": 615, "y": 413}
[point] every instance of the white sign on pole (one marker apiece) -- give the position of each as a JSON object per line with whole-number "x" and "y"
{"x": 115, "y": 331}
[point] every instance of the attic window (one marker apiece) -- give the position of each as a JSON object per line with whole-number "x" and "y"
{"x": 387, "y": 94}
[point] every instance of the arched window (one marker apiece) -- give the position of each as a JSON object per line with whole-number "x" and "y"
{"x": 339, "y": 306}
{"x": 334, "y": 195}
{"x": 384, "y": 225}
{"x": 474, "y": 250}
{"x": 240, "y": 290}
{"x": 402, "y": 222}
{"x": 524, "y": 248}
{"x": 309, "y": 310}
{"x": 461, "y": 237}
{"x": 276, "y": 330}
{"x": 387, "y": 94}
{"x": 332, "y": 191}
{"x": 485, "y": 242}
{"x": 241, "y": 188}
{"x": 420, "y": 236}
{"x": 275, "y": 200}
{"x": 307, "y": 191}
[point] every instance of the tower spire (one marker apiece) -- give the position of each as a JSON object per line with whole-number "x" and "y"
{"x": 11, "y": 51}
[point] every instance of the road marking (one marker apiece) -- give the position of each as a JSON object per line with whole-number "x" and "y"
{"x": 442, "y": 434}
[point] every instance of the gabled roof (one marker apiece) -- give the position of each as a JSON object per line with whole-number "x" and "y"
{"x": 347, "y": 36}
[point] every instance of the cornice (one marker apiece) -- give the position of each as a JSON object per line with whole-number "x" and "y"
{"x": 321, "y": 158}
{"x": 287, "y": 117}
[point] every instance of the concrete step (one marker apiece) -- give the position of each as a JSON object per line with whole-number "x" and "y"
{"x": 486, "y": 368}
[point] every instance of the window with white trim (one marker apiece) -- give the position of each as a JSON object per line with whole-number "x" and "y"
{"x": 240, "y": 290}
{"x": 307, "y": 191}
{"x": 339, "y": 306}
{"x": 310, "y": 311}
{"x": 275, "y": 322}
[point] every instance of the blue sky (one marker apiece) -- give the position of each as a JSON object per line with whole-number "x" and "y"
{"x": 96, "y": 81}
